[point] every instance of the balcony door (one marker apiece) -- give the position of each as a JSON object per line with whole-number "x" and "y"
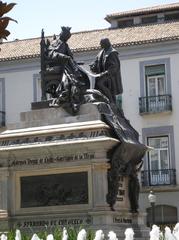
{"x": 156, "y": 87}
{"x": 159, "y": 163}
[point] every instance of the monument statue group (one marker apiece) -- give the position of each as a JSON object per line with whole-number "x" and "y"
{"x": 70, "y": 85}
{"x": 73, "y": 159}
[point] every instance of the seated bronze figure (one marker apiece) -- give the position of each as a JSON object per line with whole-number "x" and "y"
{"x": 61, "y": 76}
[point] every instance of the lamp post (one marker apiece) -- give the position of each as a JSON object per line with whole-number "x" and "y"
{"x": 152, "y": 200}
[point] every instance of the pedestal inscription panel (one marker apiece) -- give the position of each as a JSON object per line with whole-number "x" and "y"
{"x": 54, "y": 189}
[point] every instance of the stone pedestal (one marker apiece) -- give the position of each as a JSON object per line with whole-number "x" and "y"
{"x": 54, "y": 171}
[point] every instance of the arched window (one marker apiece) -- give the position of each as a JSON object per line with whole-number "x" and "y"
{"x": 164, "y": 215}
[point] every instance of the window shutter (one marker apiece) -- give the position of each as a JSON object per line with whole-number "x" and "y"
{"x": 155, "y": 70}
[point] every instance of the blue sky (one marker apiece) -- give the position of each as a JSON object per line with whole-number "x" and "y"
{"x": 33, "y": 15}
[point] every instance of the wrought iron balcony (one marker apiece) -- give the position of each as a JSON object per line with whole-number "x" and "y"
{"x": 2, "y": 119}
{"x": 158, "y": 177}
{"x": 155, "y": 104}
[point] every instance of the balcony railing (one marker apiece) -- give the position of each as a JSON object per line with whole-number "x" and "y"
{"x": 2, "y": 119}
{"x": 158, "y": 177}
{"x": 155, "y": 104}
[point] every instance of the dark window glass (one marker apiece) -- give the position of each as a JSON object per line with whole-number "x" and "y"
{"x": 173, "y": 16}
{"x": 125, "y": 23}
{"x": 151, "y": 19}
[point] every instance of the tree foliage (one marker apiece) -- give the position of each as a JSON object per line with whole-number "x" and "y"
{"x": 4, "y": 20}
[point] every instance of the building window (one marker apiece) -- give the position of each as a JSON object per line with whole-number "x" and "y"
{"x": 125, "y": 23}
{"x": 151, "y": 19}
{"x": 2, "y": 102}
{"x": 158, "y": 160}
{"x": 164, "y": 216}
{"x": 159, "y": 163}
{"x": 155, "y": 88}
{"x": 155, "y": 80}
{"x": 156, "y": 92}
{"x": 172, "y": 16}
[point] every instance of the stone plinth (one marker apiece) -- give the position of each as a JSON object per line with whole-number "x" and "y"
{"x": 53, "y": 116}
{"x": 55, "y": 173}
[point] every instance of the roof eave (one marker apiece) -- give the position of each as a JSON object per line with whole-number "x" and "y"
{"x": 139, "y": 13}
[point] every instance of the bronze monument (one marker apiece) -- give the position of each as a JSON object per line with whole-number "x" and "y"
{"x": 68, "y": 84}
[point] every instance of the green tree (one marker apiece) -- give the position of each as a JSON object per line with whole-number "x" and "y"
{"x": 4, "y": 20}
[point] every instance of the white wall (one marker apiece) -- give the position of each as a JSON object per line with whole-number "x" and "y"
{"x": 18, "y": 89}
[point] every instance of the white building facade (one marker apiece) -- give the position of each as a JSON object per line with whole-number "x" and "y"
{"x": 148, "y": 43}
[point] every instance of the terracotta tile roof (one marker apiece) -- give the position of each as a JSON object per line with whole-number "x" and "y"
{"x": 89, "y": 40}
{"x": 141, "y": 11}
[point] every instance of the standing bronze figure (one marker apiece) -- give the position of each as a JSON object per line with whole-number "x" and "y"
{"x": 107, "y": 65}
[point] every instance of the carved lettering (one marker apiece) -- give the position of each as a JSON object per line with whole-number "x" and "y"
{"x": 120, "y": 199}
{"x": 122, "y": 220}
{"x": 49, "y": 160}
{"x": 51, "y": 138}
{"x": 56, "y": 222}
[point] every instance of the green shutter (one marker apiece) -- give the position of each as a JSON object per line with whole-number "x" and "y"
{"x": 119, "y": 101}
{"x": 155, "y": 70}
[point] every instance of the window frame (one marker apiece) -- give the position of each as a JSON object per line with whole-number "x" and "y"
{"x": 172, "y": 16}
{"x": 144, "y": 64}
{"x": 159, "y": 150}
{"x": 149, "y": 19}
{"x": 156, "y": 78}
{"x": 159, "y": 175}
{"x": 156, "y": 132}
{"x": 36, "y": 80}
{"x": 128, "y": 22}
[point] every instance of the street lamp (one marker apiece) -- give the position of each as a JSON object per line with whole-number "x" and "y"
{"x": 152, "y": 200}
